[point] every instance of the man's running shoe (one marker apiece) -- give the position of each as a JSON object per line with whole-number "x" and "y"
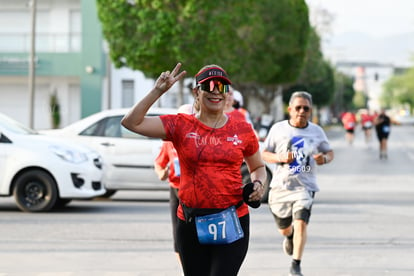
{"x": 295, "y": 270}
{"x": 288, "y": 246}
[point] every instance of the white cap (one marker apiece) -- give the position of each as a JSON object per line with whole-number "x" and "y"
{"x": 238, "y": 97}
{"x": 186, "y": 108}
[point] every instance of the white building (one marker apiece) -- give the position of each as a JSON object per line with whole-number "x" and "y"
{"x": 369, "y": 78}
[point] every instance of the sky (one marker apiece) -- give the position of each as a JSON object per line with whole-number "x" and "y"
{"x": 367, "y": 30}
{"x": 374, "y": 17}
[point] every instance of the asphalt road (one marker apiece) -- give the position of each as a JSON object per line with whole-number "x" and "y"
{"x": 362, "y": 224}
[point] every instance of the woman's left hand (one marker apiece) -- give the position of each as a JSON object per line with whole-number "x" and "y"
{"x": 258, "y": 191}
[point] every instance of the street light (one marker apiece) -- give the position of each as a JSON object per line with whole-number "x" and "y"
{"x": 32, "y": 63}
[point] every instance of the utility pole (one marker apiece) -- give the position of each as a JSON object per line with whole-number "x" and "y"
{"x": 109, "y": 80}
{"x": 32, "y": 68}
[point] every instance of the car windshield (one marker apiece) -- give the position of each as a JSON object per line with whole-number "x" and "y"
{"x": 14, "y": 126}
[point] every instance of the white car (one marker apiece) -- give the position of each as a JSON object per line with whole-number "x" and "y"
{"x": 128, "y": 157}
{"x": 44, "y": 172}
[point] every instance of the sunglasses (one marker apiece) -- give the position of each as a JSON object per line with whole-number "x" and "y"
{"x": 304, "y": 107}
{"x": 209, "y": 86}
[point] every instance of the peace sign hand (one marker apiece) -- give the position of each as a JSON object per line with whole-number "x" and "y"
{"x": 167, "y": 79}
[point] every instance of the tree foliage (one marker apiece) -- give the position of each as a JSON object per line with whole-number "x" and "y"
{"x": 259, "y": 43}
{"x": 54, "y": 110}
{"x": 272, "y": 41}
{"x": 141, "y": 34}
{"x": 360, "y": 100}
{"x": 399, "y": 90}
{"x": 344, "y": 93}
{"x": 317, "y": 75}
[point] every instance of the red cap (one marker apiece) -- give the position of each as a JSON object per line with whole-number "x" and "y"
{"x": 212, "y": 73}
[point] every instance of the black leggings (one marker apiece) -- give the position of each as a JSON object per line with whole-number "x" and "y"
{"x": 382, "y": 135}
{"x": 212, "y": 260}
{"x": 173, "y": 209}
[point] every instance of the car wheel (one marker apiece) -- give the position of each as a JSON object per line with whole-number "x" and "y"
{"x": 246, "y": 179}
{"x": 35, "y": 191}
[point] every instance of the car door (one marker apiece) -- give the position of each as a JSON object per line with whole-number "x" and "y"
{"x": 128, "y": 157}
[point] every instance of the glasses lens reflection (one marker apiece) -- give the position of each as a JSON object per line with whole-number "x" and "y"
{"x": 209, "y": 86}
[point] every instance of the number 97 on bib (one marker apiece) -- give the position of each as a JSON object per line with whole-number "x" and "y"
{"x": 219, "y": 228}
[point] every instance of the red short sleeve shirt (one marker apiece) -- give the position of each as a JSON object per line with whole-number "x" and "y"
{"x": 210, "y": 160}
{"x": 166, "y": 158}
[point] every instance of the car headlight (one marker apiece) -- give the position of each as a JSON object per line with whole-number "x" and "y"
{"x": 69, "y": 155}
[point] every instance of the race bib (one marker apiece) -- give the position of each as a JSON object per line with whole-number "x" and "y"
{"x": 368, "y": 124}
{"x": 177, "y": 169}
{"x": 350, "y": 124}
{"x": 386, "y": 129}
{"x": 219, "y": 228}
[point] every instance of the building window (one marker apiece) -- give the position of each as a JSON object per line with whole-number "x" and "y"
{"x": 75, "y": 31}
{"x": 15, "y": 31}
{"x": 128, "y": 93}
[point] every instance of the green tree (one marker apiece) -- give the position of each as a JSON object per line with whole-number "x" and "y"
{"x": 153, "y": 35}
{"x": 399, "y": 90}
{"x": 54, "y": 109}
{"x": 317, "y": 75}
{"x": 274, "y": 36}
{"x": 257, "y": 42}
{"x": 344, "y": 93}
{"x": 359, "y": 100}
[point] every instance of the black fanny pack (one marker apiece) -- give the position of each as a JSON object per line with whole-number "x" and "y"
{"x": 191, "y": 213}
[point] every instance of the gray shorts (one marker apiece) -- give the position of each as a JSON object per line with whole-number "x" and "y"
{"x": 286, "y": 205}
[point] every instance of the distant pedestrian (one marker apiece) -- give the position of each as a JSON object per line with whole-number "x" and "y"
{"x": 296, "y": 146}
{"x": 233, "y": 109}
{"x": 238, "y": 104}
{"x": 367, "y": 123}
{"x": 383, "y": 128}
{"x": 348, "y": 120}
{"x": 229, "y": 109}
